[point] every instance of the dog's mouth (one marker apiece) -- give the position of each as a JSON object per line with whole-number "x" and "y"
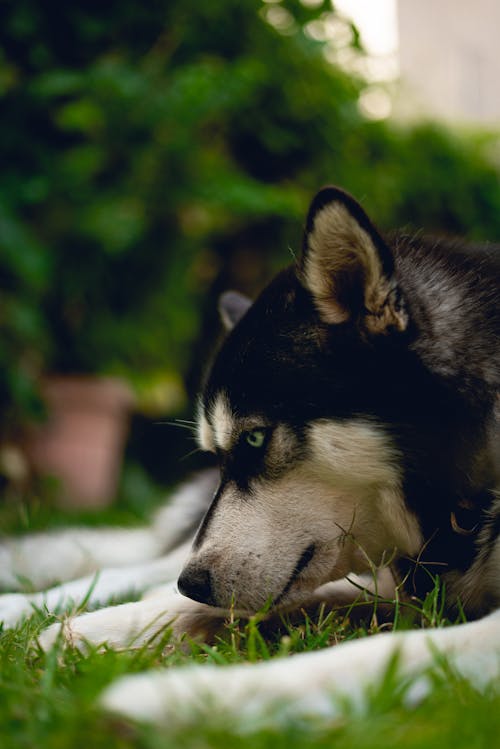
{"x": 302, "y": 563}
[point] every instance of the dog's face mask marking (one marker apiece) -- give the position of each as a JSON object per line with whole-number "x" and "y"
{"x": 310, "y": 481}
{"x": 295, "y": 511}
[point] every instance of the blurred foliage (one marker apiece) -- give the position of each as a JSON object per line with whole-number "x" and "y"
{"x": 151, "y": 151}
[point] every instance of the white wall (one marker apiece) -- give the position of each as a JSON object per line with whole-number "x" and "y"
{"x": 450, "y": 58}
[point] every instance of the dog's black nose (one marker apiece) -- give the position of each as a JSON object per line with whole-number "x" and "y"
{"x": 196, "y": 584}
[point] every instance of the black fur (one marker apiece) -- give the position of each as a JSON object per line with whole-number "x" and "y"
{"x": 433, "y": 386}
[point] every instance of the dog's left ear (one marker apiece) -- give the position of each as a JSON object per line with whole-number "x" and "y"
{"x": 347, "y": 266}
{"x": 232, "y": 307}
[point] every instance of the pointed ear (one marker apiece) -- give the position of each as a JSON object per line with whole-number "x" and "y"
{"x": 232, "y": 307}
{"x": 347, "y": 266}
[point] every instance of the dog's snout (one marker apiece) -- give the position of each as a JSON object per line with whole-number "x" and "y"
{"x": 196, "y": 584}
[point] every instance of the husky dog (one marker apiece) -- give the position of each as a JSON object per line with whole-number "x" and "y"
{"x": 353, "y": 408}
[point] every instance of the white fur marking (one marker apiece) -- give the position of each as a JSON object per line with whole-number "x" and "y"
{"x": 216, "y": 430}
{"x": 223, "y": 422}
{"x": 204, "y": 432}
{"x": 358, "y": 456}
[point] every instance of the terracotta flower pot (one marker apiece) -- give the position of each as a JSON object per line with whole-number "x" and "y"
{"x": 81, "y": 443}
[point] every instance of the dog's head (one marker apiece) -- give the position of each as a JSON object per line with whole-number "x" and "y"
{"x": 295, "y": 407}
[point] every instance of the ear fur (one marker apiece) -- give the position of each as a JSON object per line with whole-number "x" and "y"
{"x": 347, "y": 266}
{"x": 232, "y": 307}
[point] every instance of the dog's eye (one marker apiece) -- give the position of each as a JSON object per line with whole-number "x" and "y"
{"x": 255, "y": 438}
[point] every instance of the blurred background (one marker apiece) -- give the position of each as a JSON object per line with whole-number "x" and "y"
{"x": 155, "y": 154}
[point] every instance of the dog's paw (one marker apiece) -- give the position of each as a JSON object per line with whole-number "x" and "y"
{"x": 14, "y": 607}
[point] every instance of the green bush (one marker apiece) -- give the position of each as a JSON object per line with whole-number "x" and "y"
{"x": 145, "y": 145}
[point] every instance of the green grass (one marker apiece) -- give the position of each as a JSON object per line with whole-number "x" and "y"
{"x": 50, "y": 700}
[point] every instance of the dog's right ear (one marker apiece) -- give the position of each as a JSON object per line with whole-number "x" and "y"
{"x": 232, "y": 307}
{"x": 348, "y": 268}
